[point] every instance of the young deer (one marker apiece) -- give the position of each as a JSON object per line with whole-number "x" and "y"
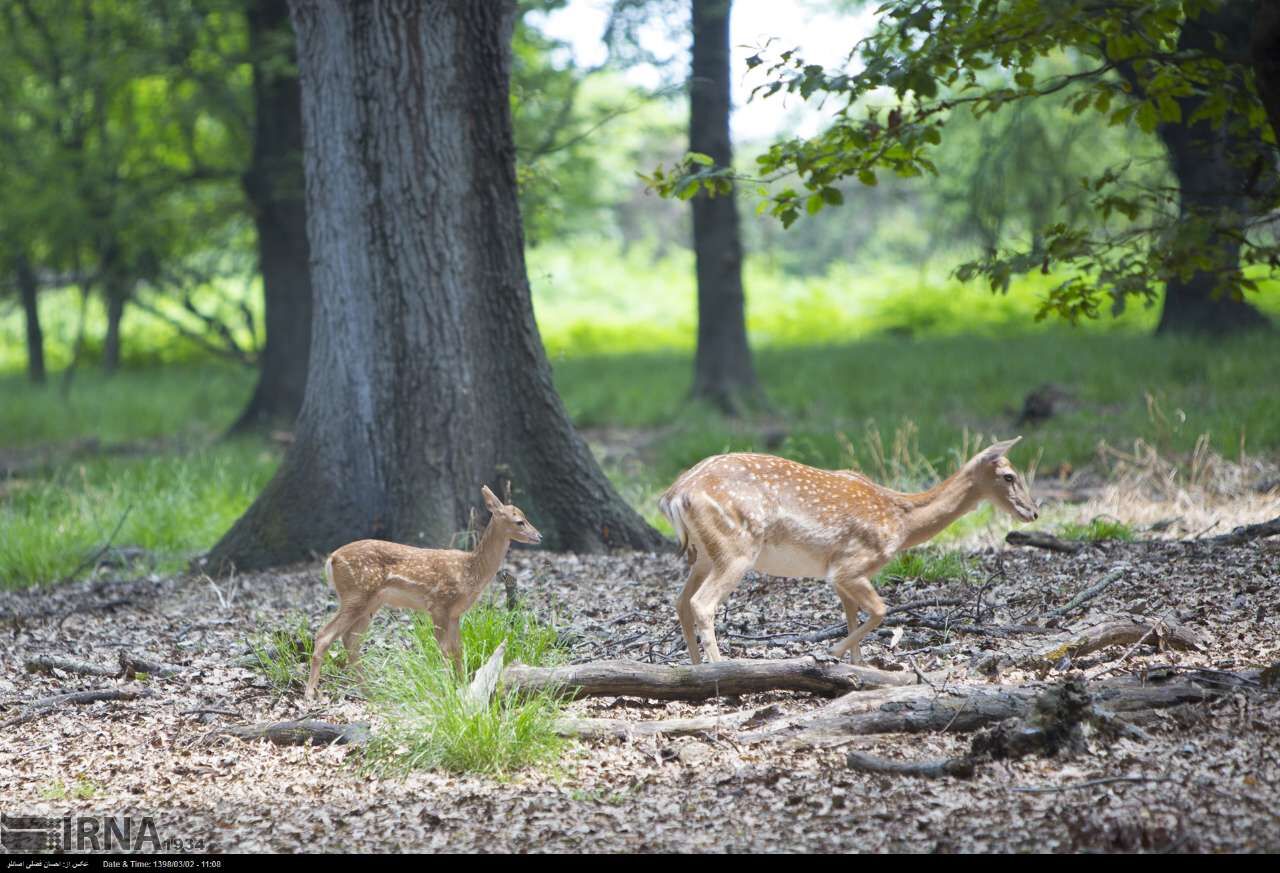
{"x": 736, "y": 512}
{"x": 370, "y": 574}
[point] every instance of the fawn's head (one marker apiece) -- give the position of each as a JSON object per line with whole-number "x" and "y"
{"x": 513, "y": 522}
{"x": 1001, "y": 483}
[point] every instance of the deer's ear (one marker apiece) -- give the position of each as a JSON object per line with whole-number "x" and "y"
{"x": 490, "y": 499}
{"x": 997, "y": 451}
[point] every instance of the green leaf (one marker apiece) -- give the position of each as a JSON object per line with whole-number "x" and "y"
{"x": 868, "y": 177}
{"x": 700, "y": 158}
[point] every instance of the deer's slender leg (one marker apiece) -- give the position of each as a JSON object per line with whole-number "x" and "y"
{"x": 450, "y": 639}
{"x": 348, "y": 614}
{"x": 698, "y": 572}
{"x": 719, "y": 584}
{"x": 353, "y": 639}
{"x": 854, "y": 587}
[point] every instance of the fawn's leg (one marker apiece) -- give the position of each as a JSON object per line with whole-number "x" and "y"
{"x": 718, "y": 585}
{"x": 348, "y": 614}
{"x": 450, "y": 638}
{"x": 857, "y": 591}
{"x": 353, "y": 639}
{"x": 698, "y": 572}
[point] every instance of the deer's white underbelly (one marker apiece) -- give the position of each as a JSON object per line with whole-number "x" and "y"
{"x": 790, "y": 560}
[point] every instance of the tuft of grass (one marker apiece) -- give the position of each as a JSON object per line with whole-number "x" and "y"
{"x": 426, "y": 721}
{"x": 1098, "y": 529}
{"x": 927, "y": 565}
{"x": 81, "y": 789}
{"x": 284, "y": 655}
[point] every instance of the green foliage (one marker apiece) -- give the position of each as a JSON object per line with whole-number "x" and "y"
{"x": 426, "y": 721}
{"x": 1116, "y": 233}
{"x": 1097, "y": 529}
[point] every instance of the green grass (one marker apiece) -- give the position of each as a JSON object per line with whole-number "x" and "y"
{"x": 172, "y": 506}
{"x": 175, "y": 403}
{"x": 927, "y": 565}
{"x": 283, "y": 655}
{"x": 425, "y": 721}
{"x": 1098, "y": 529}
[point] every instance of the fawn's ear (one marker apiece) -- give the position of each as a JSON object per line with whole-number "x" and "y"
{"x": 490, "y": 499}
{"x": 997, "y": 451}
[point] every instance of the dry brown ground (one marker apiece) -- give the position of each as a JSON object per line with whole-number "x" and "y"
{"x": 1219, "y": 764}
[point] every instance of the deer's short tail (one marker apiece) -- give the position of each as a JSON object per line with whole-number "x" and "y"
{"x": 673, "y": 505}
{"x": 328, "y": 571}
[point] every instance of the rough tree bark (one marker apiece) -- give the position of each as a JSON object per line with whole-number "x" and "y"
{"x": 427, "y": 376}
{"x": 1214, "y": 169}
{"x": 29, "y": 289}
{"x": 276, "y": 191}
{"x": 724, "y": 373}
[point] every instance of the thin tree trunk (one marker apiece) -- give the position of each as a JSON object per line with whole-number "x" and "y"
{"x": 276, "y": 191}
{"x": 427, "y": 377}
{"x": 1213, "y": 168}
{"x": 724, "y": 373}
{"x": 115, "y": 314}
{"x": 29, "y": 290}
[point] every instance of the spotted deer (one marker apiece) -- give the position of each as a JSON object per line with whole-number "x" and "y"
{"x": 737, "y": 512}
{"x": 370, "y": 574}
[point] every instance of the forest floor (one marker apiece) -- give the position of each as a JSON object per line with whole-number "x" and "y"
{"x": 1207, "y": 777}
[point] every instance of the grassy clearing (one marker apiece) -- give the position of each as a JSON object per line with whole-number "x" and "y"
{"x": 187, "y": 403}
{"x": 170, "y": 506}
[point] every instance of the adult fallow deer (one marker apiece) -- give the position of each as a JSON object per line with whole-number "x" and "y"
{"x": 733, "y": 513}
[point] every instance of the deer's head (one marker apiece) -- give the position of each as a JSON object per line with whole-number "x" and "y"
{"x": 512, "y": 520}
{"x": 1001, "y": 483}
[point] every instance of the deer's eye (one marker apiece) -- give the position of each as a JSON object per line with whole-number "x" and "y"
{"x": 1008, "y": 477}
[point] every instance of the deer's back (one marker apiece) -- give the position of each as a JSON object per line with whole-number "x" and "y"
{"x": 367, "y": 564}
{"x": 785, "y": 504}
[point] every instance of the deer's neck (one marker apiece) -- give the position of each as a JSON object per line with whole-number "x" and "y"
{"x": 486, "y": 560}
{"x": 929, "y": 512}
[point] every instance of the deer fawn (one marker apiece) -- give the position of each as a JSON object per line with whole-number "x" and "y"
{"x": 370, "y": 574}
{"x": 736, "y": 512}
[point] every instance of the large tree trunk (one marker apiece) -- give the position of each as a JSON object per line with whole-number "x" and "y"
{"x": 29, "y": 289}
{"x": 427, "y": 377}
{"x": 276, "y": 191}
{"x": 1213, "y": 168}
{"x": 723, "y": 370}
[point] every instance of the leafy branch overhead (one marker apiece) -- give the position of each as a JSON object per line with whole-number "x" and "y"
{"x": 1168, "y": 68}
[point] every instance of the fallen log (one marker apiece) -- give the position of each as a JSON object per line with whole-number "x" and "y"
{"x": 45, "y": 705}
{"x": 299, "y": 733}
{"x": 50, "y": 663}
{"x": 132, "y": 666}
{"x": 1041, "y": 540}
{"x": 969, "y": 707}
{"x": 1166, "y": 634}
{"x": 1245, "y": 533}
{"x": 728, "y": 678}
{"x": 960, "y": 768}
